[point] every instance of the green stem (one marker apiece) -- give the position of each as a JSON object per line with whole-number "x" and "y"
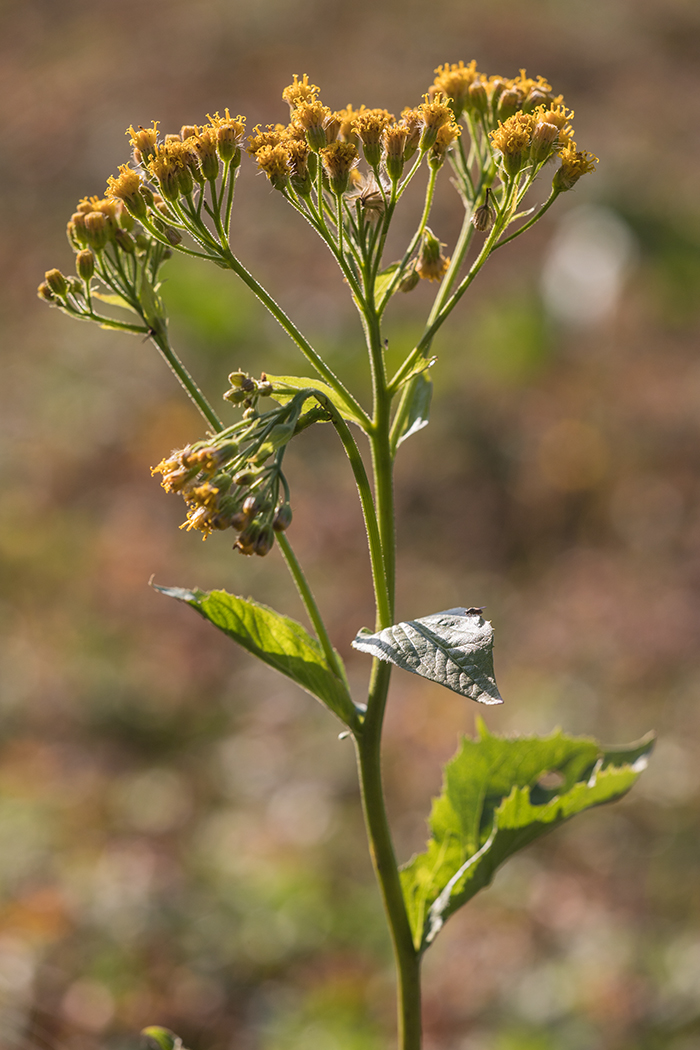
{"x": 161, "y": 341}
{"x": 368, "y": 744}
{"x": 547, "y": 204}
{"x": 309, "y": 601}
{"x": 296, "y": 336}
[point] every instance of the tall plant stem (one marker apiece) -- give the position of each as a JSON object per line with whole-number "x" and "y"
{"x": 368, "y": 744}
{"x": 368, "y": 738}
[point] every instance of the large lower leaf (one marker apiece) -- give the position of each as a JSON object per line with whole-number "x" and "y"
{"x": 276, "y": 640}
{"x": 284, "y": 388}
{"x": 453, "y": 648}
{"x": 498, "y": 796}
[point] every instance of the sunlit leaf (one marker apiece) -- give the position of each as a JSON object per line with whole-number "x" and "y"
{"x": 498, "y": 796}
{"x": 285, "y": 388}
{"x": 278, "y": 641}
{"x": 383, "y": 281}
{"x": 453, "y": 648}
{"x": 114, "y": 300}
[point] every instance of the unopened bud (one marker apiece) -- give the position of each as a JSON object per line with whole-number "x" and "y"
{"x": 96, "y": 231}
{"x": 508, "y": 104}
{"x": 250, "y": 505}
{"x": 283, "y": 518}
{"x": 265, "y": 541}
{"x": 543, "y": 139}
{"x": 478, "y": 99}
{"x": 173, "y": 236}
{"x": 187, "y": 131}
{"x": 57, "y": 283}
{"x": 125, "y": 241}
{"x": 163, "y": 1038}
{"x": 409, "y": 281}
{"x": 45, "y": 293}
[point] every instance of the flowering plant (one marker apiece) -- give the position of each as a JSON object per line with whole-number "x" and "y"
{"x": 497, "y": 136}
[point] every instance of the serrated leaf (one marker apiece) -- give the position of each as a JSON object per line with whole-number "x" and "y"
{"x": 418, "y": 414}
{"x": 114, "y": 300}
{"x": 285, "y": 388}
{"x": 453, "y": 648}
{"x": 382, "y": 282}
{"x": 497, "y": 797}
{"x": 277, "y": 640}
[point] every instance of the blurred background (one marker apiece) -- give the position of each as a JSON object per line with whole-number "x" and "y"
{"x": 180, "y": 841}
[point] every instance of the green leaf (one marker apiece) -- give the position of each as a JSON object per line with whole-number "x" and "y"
{"x": 418, "y": 413}
{"x": 498, "y": 796}
{"x": 382, "y": 282}
{"x": 163, "y": 1038}
{"x": 114, "y": 300}
{"x": 285, "y": 387}
{"x": 278, "y": 641}
{"x": 453, "y": 648}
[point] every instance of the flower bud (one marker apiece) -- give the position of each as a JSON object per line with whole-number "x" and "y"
{"x": 96, "y": 230}
{"x": 57, "y": 283}
{"x": 125, "y": 241}
{"x": 187, "y": 131}
{"x": 409, "y": 281}
{"x": 478, "y": 99}
{"x": 283, "y": 518}
{"x": 250, "y": 505}
{"x": 543, "y": 139}
{"x": 507, "y": 104}
{"x": 265, "y": 541}
{"x": 85, "y": 264}
{"x": 45, "y": 293}
{"x": 172, "y": 235}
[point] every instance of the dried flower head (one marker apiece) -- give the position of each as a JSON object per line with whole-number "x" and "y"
{"x": 432, "y": 264}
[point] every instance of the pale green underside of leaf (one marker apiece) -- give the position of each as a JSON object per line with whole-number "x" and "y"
{"x": 418, "y": 414}
{"x": 492, "y": 805}
{"x": 383, "y": 281}
{"x": 114, "y": 300}
{"x": 277, "y": 640}
{"x": 294, "y": 384}
{"x": 453, "y": 648}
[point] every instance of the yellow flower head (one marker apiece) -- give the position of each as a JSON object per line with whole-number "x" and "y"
{"x": 453, "y": 81}
{"x": 346, "y": 121}
{"x": 312, "y": 117}
{"x": 302, "y": 163}
{"x": 338, "y": 159}
{"x": 164, "y": 166}
{"x": 432, "y": 264}
{"x": 512, "y": 139}
{"x": 274, "y": 161}
{"x": 143, "y": 141}
{"x": 126, "y": 187}
{"x": 370, "y": 125}
{"x": 207, "y": 146}
{"x": 272, "y": 136}
{"x": 574, "y": 164}
{"x": 413, "y": 120}
{"x": 526, "y": 86}
{"x": 394, "y": 139}
{"x": 299, "y": 91}
{"x": 229, "y": 134}
{"x": 446, "y": 136}
{"x": 434, "y": 115}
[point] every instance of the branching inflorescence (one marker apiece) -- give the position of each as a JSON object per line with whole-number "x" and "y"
{"x": 345, "y": 173}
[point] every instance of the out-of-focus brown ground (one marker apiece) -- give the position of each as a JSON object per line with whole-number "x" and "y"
{"x": 179, "y": 832}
